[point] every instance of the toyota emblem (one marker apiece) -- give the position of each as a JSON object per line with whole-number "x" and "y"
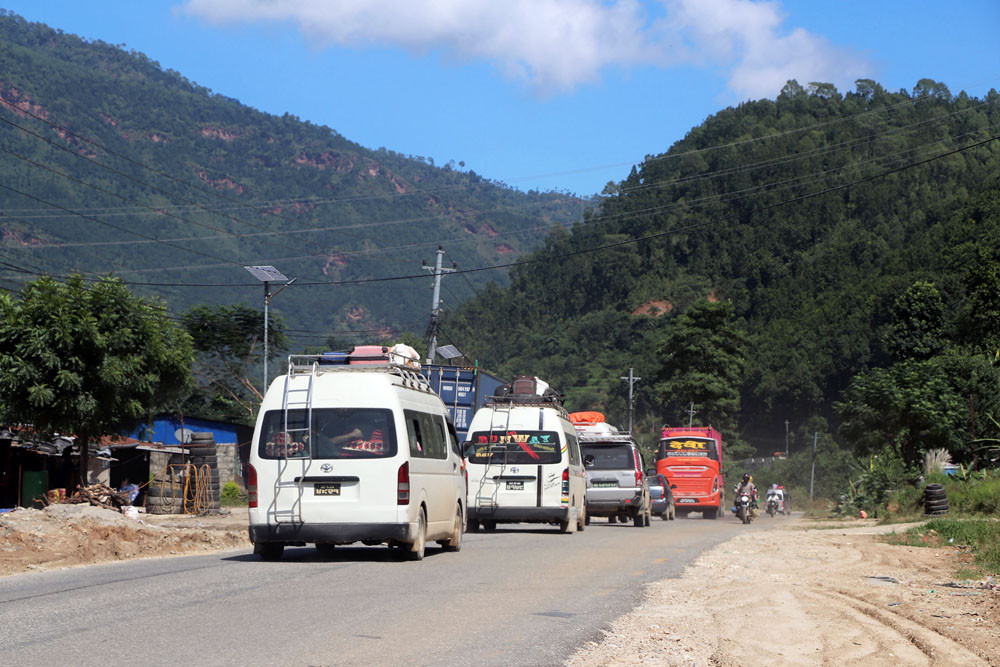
{"x": 326, "y": 467}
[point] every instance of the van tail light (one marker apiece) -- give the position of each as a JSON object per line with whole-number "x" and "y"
{"x": 565, "y": 482}
{"x": 252, "y": 485}
{"x": 638, "y": 467}
{"x": 403, "y": 484}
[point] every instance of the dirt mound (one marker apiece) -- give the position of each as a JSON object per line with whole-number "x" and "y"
{"x": 67, "y": 535}
{"x": 809, "y": 597}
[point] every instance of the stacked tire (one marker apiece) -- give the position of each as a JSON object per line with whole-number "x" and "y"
{"x": 204, "y": 489}
{"x": 165, "y": 494}
{"x": 935, "y": 499}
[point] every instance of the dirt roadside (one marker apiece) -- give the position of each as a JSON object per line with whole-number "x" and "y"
{"x": 809, "y": 593}
{"x": 62, "y": 536}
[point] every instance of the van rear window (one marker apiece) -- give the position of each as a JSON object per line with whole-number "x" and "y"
{"x": 608, "y": 457}
{"x": 513, "y": 447}
{"x": 335, "y": 433}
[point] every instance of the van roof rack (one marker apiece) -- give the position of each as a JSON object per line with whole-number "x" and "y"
{"x": 320, "y": 364}
{"x": 605, "y": 437}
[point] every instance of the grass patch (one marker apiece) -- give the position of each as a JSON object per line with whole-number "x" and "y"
{"x": 981, "y": 536}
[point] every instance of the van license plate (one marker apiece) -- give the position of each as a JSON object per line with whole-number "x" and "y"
{"x": 686, "y": 500}
{"x": 327, "y": 489}
{"x": 515, "y": 486}
{"x": 604, "y": 485}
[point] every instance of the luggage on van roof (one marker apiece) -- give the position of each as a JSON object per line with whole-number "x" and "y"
{"x": 374, "y": 355}
{"x": 587, "y": 417}
{"x": 526, "y": 389}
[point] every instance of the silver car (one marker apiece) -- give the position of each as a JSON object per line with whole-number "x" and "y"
{"x": 617, "y": 488}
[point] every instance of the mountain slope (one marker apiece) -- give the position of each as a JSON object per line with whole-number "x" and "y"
{"x": 811, "y": 213}
{"x": 112, "y": 164}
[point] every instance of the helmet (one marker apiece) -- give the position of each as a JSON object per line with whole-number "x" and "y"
{"x": 746, "y": 477}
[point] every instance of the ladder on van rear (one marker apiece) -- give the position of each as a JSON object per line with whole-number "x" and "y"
{"x": 298, "y": 398}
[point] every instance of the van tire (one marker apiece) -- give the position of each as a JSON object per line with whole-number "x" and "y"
{"x": 710, "y": 513}
{"x": 567, "y": 526}
{"x": 269, "y": 551}
{"x": 639, "y": 520}
{"x": 420, "y": 543}
{"x": 455, "y": 542}
{"x": 612, "y": 519}
{"x": 489, "y": 526}
{"x": 472, "y": 527}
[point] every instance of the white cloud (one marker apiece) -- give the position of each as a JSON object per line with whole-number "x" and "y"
{"x": 551, "y": 44}
{"x": 747, "y": 38}
{"x": 554, "y": 45}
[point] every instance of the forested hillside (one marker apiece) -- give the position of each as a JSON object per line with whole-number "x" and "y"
{"x": 811, "y": 215}
{"x": 110, "y": 164}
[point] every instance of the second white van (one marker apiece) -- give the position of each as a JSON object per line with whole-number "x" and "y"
{"x": 524, "y": 462}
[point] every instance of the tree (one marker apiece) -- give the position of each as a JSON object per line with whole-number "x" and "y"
{"x": 226, "y": 339}
{"x": 702, "y": 362}
{"x": 981, "y": 319}
{"x": 87, "y": 360}
{"x": 911, "y": 406}
{"x": 917, "y": 330}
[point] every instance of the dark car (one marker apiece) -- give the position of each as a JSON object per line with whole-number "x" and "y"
{"x": 661, "y": 496}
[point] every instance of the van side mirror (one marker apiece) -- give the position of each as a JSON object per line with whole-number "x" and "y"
{"x": 673, "y": 486}
{"x": 588, "y": 460}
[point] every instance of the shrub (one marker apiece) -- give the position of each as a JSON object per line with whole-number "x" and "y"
{"x": 232, "y": 494}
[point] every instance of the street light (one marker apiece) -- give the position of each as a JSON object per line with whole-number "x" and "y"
{"x": 267, "y": 274}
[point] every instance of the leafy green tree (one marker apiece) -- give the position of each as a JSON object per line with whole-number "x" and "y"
{"x": 981, "y": 319}
{"x": 702, "y": 362}
{"x": 90, "y": 360}
{"x": 911, "y": 406}
{"x": 228, "y": 340}
{"x": 917, "y": 330}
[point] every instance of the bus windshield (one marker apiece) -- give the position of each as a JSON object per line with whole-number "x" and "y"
{"x": 689, "y": 448}
{"x": 513, "y": 447}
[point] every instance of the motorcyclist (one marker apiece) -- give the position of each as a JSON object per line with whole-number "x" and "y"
{"x": 747, "y": 486}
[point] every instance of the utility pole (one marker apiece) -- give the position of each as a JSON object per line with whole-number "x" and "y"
{"x": 691, "y": 413}
{"x": 786, "y": 438}
{"x": 631, "y": 381}
{"x": 812, "y": 475}
{"x": 436, "y": 301}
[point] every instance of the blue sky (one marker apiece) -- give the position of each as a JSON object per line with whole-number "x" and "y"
{"x": 547, "y": 94}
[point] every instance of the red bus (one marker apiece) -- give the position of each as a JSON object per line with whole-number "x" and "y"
{"x": 691, "y": 460}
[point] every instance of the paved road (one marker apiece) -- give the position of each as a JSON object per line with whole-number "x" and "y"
{"x": 526, "y": 595}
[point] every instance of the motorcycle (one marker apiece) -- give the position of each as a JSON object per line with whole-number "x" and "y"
{"x": 772, "y": 506}
{"x": 744, "y": 508}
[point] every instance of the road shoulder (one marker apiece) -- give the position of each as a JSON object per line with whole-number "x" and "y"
{"x": 801, "y": 593}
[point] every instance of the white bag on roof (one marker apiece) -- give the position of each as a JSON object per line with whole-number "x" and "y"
{"x": 404, "y": 355}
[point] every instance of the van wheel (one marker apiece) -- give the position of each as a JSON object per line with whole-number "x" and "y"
{"x": 489, "y": 526}
{"x": 270, "y": 551}
{"x": 639, "y": 520}
{"x": 612, "y": 519}
{"x": 455, "y": 542}
{"x": 567, "y": 526}
{"x": 472, "y": 527}
{"x": 420, "y": 543}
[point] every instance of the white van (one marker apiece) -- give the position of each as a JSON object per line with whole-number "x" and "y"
{"x": 523, "y": 461}
{"x": 354, "y": 448}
